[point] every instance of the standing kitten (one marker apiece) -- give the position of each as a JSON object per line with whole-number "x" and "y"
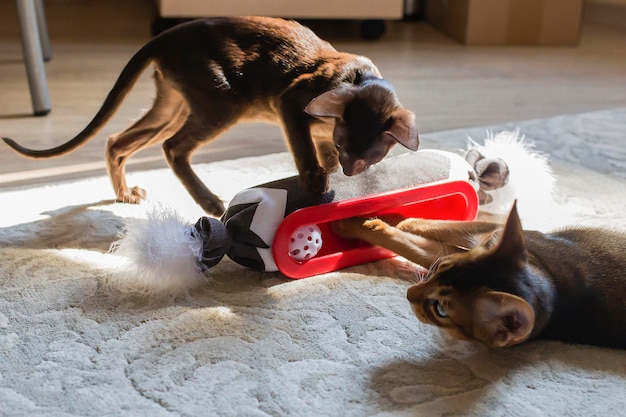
{"x": 502, "y": 285}
{"x": 210, "y": 74}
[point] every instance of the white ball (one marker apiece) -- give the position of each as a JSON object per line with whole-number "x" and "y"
{"x": 305, "y": 242}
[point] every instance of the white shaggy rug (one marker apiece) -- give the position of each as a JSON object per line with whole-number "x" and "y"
{"x": 255, "y": 344}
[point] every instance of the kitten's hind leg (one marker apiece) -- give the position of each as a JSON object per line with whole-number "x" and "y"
{"x": 178, "y": 150}
{"x": 166, "y": 116}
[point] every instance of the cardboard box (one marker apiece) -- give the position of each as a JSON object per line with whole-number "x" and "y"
{"x": 508, "y": 22}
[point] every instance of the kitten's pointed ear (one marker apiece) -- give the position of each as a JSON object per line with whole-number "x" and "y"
{"x": 502, "y": 319}
{"x": 403, "y": 129}
{"x": 330, "y": 104}
{"x": 511, "y": 242}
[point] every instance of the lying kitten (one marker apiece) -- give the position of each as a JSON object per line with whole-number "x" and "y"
{"x": 502, "y": 285}
{"x": 210, "y": 74}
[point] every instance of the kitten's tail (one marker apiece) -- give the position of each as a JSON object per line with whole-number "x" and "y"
{"x": 126, "y": 80}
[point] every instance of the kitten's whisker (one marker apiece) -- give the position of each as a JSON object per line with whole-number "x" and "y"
{"x": 432, "y": 268}
{"x": 419, "y": 277}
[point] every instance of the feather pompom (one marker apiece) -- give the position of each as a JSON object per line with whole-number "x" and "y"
{"x": 158, "y": 255}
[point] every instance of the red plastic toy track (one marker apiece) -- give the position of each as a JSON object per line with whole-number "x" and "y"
{"x": 447, "y": 200}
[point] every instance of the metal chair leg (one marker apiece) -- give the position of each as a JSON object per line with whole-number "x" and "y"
{"x": 42, "y": 25}
{"x": 33, "y": 57}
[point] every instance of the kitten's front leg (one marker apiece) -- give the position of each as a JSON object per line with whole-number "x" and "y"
{"x": 460, "y": 234}
{"x": 327, "y": 154}
{"x": 414, "y": 248}
{"x": 315, "y": 180}
{"x": 296, "y": 125}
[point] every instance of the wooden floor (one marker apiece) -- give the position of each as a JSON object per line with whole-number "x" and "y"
{"x": 446, "y": 84}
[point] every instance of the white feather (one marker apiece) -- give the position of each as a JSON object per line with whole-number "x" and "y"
{"x": 157, "y": 255}
{"x": 531, "y": 181}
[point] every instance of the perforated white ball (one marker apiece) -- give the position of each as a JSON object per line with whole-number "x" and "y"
{"x": 305, "y": 242}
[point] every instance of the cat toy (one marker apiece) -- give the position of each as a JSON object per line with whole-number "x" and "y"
{"x": 279, "y": 226}
{"x": 304, "y": 244}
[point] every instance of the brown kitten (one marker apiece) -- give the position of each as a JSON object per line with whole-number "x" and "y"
{"x": 502, "y": 285}
{"x": 210, "y": 74}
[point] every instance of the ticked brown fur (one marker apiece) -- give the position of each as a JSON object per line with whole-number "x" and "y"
{"x": 501, "y": 285}
{"x": 210, "y": 74}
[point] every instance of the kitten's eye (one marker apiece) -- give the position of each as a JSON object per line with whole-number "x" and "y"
{"x": 338, "y": 146}
{"x": 439, "y": 309}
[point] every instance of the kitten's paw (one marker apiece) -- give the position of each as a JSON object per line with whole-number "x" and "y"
{"x": 133, "y": 196}
{"x": 316, "y": 181}
{"x": 214, "y": 207}
{"x": 376, "y": 225}
{"x": 414, "y": 225}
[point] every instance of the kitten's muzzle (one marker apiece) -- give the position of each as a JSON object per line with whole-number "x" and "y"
{"x": 355, "y": 167}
